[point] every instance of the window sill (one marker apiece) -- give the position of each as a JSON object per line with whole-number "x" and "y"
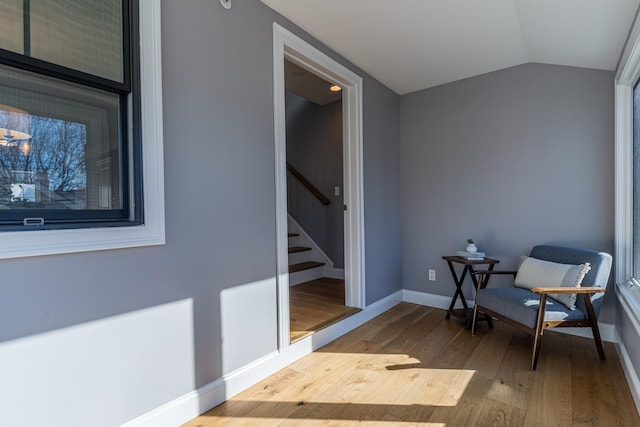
{"x": 16, "y": 244}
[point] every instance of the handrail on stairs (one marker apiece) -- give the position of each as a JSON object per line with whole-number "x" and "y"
{"x": 308, "y": 185}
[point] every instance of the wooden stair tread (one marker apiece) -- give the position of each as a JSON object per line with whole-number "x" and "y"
{"x": 293, "y": 234}
{"x": 294, "y": 268}
{"x": 296, "y": 249}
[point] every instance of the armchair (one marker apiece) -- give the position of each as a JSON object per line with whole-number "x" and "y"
{"x": 544, "y": 297}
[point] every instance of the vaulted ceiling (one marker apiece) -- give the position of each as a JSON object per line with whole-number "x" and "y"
{"x": 410, "y": 45}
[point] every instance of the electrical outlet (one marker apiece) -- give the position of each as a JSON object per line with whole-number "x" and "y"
{"x": 432, "y": 275}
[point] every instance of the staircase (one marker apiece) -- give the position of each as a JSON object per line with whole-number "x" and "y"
{"x": 306, "y": 260}
{"x": 304, "y": 265}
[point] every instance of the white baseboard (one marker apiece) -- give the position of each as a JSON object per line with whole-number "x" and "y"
{"x": 194, "y": 403}
{"x": 178, "y": 411}
{"x": 333, "y": 273}
{"x": 431, "y": 300}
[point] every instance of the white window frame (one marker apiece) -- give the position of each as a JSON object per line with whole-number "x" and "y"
{"x": 627, "y": 74}
{"x": 15, "y": 244}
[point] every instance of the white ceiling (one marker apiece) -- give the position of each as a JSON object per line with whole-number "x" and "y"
{"x": 410, "y": 45}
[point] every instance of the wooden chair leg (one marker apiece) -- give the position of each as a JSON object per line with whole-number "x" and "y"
{"x": 474, "y": 318}
{"x": 539, "y": 331}
{"x": 594, "y": 327}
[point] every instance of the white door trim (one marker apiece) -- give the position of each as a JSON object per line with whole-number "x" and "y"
{"x": 288, "y": 45}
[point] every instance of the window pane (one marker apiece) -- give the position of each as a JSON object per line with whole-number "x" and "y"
{"x": 11, "y": 22}
{"x": 59, "y": 145}
{"x": 85, "y": 35}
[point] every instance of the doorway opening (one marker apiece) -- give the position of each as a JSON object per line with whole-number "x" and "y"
{"x": 314, "y": 146}
{"x": 300, "y": 56}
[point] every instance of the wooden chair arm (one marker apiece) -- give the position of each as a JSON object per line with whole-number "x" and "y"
{"x": 567, "y": 290}
{"x": 484, "y": 275}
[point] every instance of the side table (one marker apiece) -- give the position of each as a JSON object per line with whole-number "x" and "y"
{"x": 466, "y": 313}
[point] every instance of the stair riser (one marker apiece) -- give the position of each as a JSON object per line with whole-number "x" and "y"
{"x": 306, "y": 275}
{"x": 300, "y": 257}
{"x": 296, "y": 241}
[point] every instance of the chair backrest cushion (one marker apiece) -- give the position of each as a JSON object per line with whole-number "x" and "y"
{"x": 597, "y": 276}
{"x": 534, "y": 272}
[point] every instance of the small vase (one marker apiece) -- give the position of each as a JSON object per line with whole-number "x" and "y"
{"x": 471, "y": 248}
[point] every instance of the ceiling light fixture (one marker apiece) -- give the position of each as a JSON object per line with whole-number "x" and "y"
{"x": 335, "y": 88}
{"x": 14, "y": 126}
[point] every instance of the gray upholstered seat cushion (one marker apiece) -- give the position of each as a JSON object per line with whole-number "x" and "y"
{"x": 521, "y": 305}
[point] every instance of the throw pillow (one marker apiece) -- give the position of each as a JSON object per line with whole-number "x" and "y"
{"x": 534, "y": 273}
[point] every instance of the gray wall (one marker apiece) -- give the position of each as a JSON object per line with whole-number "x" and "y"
{"x": 176, "y": 317}
{"x": 314, "y": 147}
{"x": 513, "y": 158}
{"x": 382, "y": 170}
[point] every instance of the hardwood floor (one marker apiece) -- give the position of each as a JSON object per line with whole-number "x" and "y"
{"x": 410, "y": 366}
{"x": 315, "y": 305}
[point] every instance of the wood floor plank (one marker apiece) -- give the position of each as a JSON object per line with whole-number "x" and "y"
{"x": 554, "y": 404}
{"x": 249, "y": 401}
{"x": 487, "y": 357}
{"x": 396, "y": 325}
{"x": 357, "y": 379}
{"x": 366, "y": 339}
{"x": 464, "y": 399}
{"x": 494, "y": 413}
{"x": 410, "y": 366}
{"x": 592, "y": 404}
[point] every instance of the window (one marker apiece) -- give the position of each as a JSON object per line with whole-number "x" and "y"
{"x": 636, "y": 180}
{"x": 83, "y": 104}
{"x": 631, "y": 288}
{"x": 627, "y": 176}
{"x": 68, "y": 97}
